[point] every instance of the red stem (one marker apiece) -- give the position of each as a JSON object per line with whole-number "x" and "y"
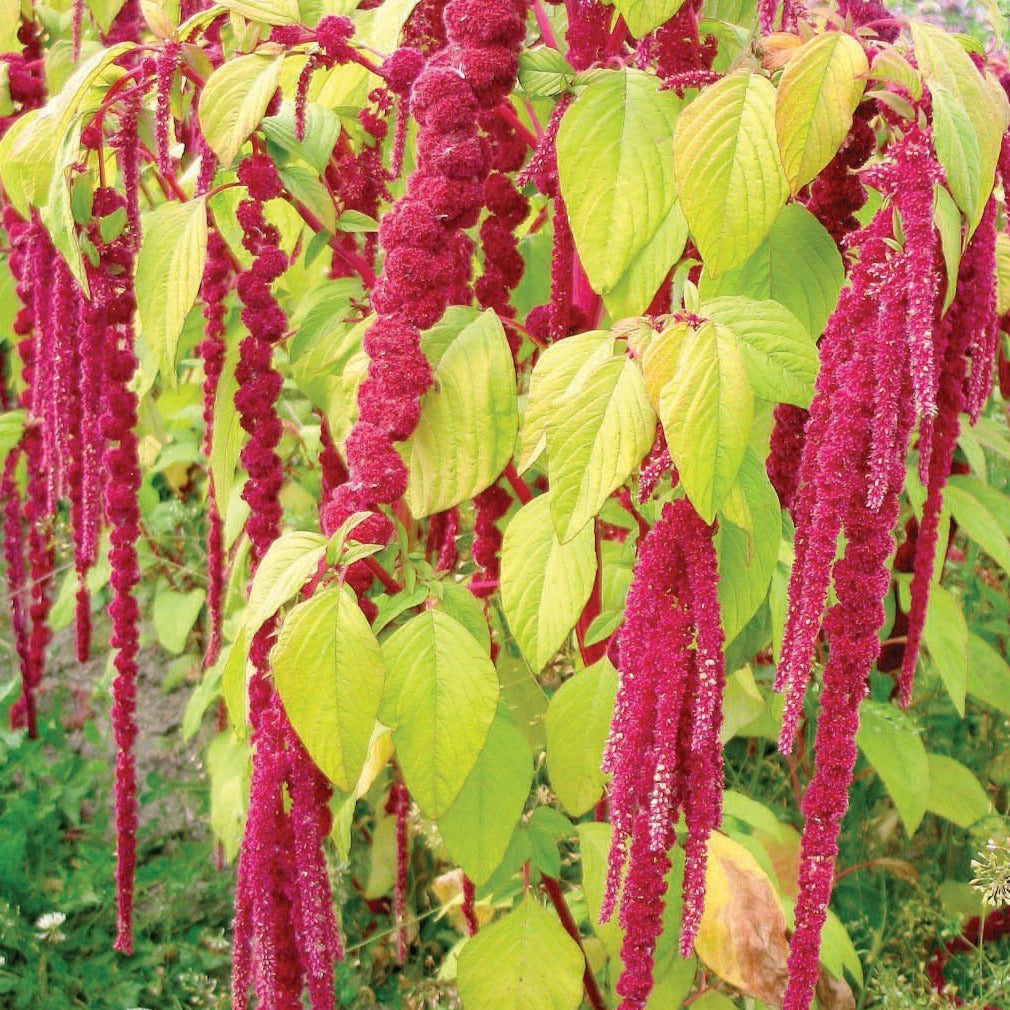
{"x": 594, "y": 605}
{"x": 521, "y": 488}
{"x": 593, "y": 994}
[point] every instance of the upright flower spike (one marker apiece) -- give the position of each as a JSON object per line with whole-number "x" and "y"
{"x": 664, "y": 750}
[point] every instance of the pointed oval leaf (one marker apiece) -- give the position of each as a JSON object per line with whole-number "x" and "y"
{"x": 599, "y": 432}
{"x": 729, "y": 176}
{"x": 544, "y": 583}
{"x": 524, "y": 961}
{"x": 268, "y": 12}
{"x": 169, "y": 272}
{"x": 707, "y": 409}
{"x": 469, "y": 417}
{"x": 553, "y": 374}
{"x": 446, "y": 692}
{"x": 780, "y": 355}
{"x": 955, "y": 793}
{"x": 945, "y": 635}
{"x": 645, "y": 16}
{"x": 286, "y": 567}
{"x": 329, "y": 673}
{"x": 578, "y": 721}
{"x": 478, "y": 827}
{"x": 892, "y": 745}
{"x": 234, "y": 101}
{"x": 820, "y": 88}
{"x": 615, "y": 167}
{"x": 797, "y": 265}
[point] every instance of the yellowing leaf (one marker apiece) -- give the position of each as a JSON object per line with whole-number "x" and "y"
{"x": 235, "y": 99}
{"x": 1003, "y": 272}
{"x": 661, "y": 359}
{"x": 578, "y": 721}
{"x": 445, "y": 692}
{"x": 329, "y": 673}
{"x": 598, "y": 433}
{"x": 742, "y": 936}
{"x": 615, "y": 167}
{"x": 524, "y": 961}
{"x": 169, "y": 272}
{"x": 553, "y": 374}
{"x": 287, "y": 565}
{"x": 477, "y": 828}
{"x": 816, "y": 97}
{"x": 729, "y": 177}
{"x": 228, "y": 768}
{"x": 707, "y": 410}
{"x": 469, "y": 417}
{"x": 544, "y": 583}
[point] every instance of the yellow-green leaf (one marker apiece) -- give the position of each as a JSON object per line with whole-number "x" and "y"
{"x": 169, "y": 272}
{"x": 615, "y": 167}
{"x": 286, "y": 567}
{"x": 544, "y": 583}
{"x": 554, "y": 372}
{"x": 578, "y": 721}
{"x": 954, "y": 792}
{"x": 235, "y": 99}
{"x": 1003, "y": 273}
{"x": 947, "y": 218}
{"x": 469, "y": 417}
{"x": 950, "y": 73}
{"x": 707, "y": 409}
{"x": 478, "y": 827}
{"x": 445, "y": 692}
{"x": 645, "y": 16}
{"x": 729, "y": 176}
{"x": 227, "y": 434}
{"x": 524, "y": 961}
{"x": 945, "y": 635}
{"x": 329, "y": 673}
{"x": 269, "y": 12}
{"x": 600, "y": 430}
{"x": 797, "y": 265}
{"x": 228, "y": 769}
{"x": 820, "y": 88}
{"x": 12, "y": 426}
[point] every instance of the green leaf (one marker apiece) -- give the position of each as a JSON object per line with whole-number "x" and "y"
{"x": 104, "y": 12}
{"x": 729, "y": 176}
{"x": 524, "y": 961}
{"x": 947, "y": 219}
{"x": 235, "y": 99}
{"x": 578, "y": 721}
{"x": 170, "y": 265}
{"x": 469, "y": 417}
{"x": 780, "y": 355}
{"x": 554, "y": 373}
{"x": 228, "y": 768}
{"x": 970, "y": 113}
{"x": 478, "y": 827}
{"x": 946, "y": 639}
{"x": 544, "y": 72}
{"x": 445, "y": 692}
{"x": 615, "y": 168}
{"x": 287, "y": 565}
{"x": 645, "y": 16}
{"x": 12, "y": 426}
{"x": 174, "y": 615}
{"x": 955, "y": 793}
{"x": 636, "y": 289}
{"x": 226, "y": 435}
{"x": 544, "y": 583}
{"x": 329, "y": 673}
{"x": 747, "y": 545}
{"x": 322, "y": 128}
{"x": 797, "y": 265}
{"x": 819, "y": 90}
{"x": 977, "y": 522}
{"x": 988, "y": 675}
{"x": 707, "y": 409}
{"x": 600, "y": 429}
{"x": 890, "y": 742}
{"x": 268, "y": 12}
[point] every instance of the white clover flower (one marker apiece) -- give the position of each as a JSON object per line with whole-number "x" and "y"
{"x": 48, "y": 927}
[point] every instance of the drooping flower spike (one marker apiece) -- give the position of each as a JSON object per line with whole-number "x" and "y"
{"x": 664, "y": 750}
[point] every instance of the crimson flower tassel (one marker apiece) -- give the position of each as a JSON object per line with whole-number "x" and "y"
{"x": 215, "y": 287}
{"x": 399, "y": 807}
{"x": 469, "y": 907}
{"x": 664, "y": 750}
{"x": 489, "y": 507}
{"x": 786, "y": 451}
{"x": 167, "y": 61}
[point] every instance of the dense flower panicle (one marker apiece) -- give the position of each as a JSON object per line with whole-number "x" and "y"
{"x": 126, "y": 26}
{"x": 968, "y": 316}
{"x": 489, "y": 507}
{"x": 677, "y": 45}
{"x": 664, "y": 750}
{"x": 873, "y": 14}
{"x": 213, "y": 291}
{"x": 469, "y": 907}
{"x": 443, "y": 528}
{"x": 982, "y": 315}
{"x": 14, "y": 559}
{"x": 588, "y": 33}
{"x": 399, "y": 807}
{"x": 656, "y": 464}
{"x": 786, "y": 451}
{"x": 167, "y": 61}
